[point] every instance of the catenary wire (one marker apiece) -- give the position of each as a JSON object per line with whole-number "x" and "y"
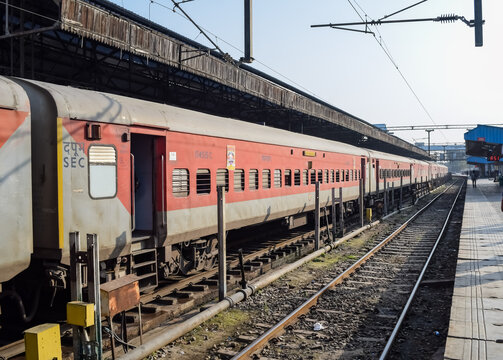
{"x": 386, "y": 50}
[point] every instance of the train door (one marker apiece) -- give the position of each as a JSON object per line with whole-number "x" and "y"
{"x": 148, "y": 190}
{"x": 148, "y": 205}
{"x": 378, "y": 169}
{"x": 363, "y": 174}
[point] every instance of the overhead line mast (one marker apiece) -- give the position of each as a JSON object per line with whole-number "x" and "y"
{"x": 477, "y": 23}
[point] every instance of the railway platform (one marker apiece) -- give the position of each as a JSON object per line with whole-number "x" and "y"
{"x": 476, "y": 322}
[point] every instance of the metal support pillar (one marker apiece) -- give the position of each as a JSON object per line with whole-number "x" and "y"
{"x": 341, "y": 212}
{"x": 393, "y": 196}
{"x": 414, "y": 192}
{"x": 93, "y": 286}
{"x": 222, "y": 269}
{"x": 361, "y": 204}
{"x": 385, "y": 194}
{"x": 401, "y": 193}
{"x": 317, "y": 216}
{"x": 75, "y": 289}
{"x": 334, "y": 220}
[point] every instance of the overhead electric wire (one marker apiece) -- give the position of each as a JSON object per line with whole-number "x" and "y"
{"x": 390, "y": 57}
{"x": 241, "y": 51}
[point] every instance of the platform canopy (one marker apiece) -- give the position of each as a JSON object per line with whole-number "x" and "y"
{"x": 485, "y": 141}
{"x": 98, "y": 45}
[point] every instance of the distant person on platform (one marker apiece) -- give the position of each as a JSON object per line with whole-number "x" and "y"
{"x": 473, "y": 176}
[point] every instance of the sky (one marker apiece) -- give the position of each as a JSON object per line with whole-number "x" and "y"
{"x": 456, "y": 82}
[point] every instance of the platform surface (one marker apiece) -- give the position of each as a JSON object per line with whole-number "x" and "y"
{"x": 476, "y": 323}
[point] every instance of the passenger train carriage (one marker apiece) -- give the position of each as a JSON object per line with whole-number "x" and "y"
{"x": 143, "y": 177}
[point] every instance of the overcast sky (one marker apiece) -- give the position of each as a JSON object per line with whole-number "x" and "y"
{"x": 457, "y": 82}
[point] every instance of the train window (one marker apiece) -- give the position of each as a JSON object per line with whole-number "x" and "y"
{"x": 325, "y": 179}
{"x": 277, "y": 178}
{"x": 313, "y": 176}
{"x": 223, "y": 178}
{"x": 288, "y": 177}
{"x": 359, "y": 174}
{"x": 347, "y": 175}
{"x": 332, "y": 176}
{"x": 342, "y": 175}
{"x": 351, "y": 175}
{"x": 102, "y": 172}
{"x": 296, "y": 177}
{"x": 203, "y": 181}
{"x": 266, "y": 179}
{"x": 239, "y": 180}
{"x": 305, "y": 178}
{"x": 253, "y": 179}
{"x": 320, "y": 176}
{"x": 180, "y": 182}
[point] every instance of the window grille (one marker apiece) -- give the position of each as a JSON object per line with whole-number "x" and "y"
{"x": 239, "y": 180}
{"x": 223, "y": 178}
{"x": 180, "y": 182}
{"x": 253, "y": 177}
{"x": 296, "y": 177}
{"x": 266, "y": 179}
{"x": 288, "y": 177}
{"x": 277, "y": 178}
{"x": 203, "y": 181}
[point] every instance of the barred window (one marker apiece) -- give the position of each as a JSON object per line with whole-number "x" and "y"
{"x": 313, "y": 176}
{"x": 277, "y": 178}
{"x": 296, "y": 177}
{"x": 288, "y": 177}
{"x": 347, "y": 175}
{"x": 337, "y": 176}
{"x": 203, "y": 181}
{"x": 253, "y": 177}
{"x": 320, "y": 176}
{"x": 332, "y": 176}
{"x": 325, "y": 178}
{"x": 359, "y": 174}
{"x": 266, "y": 179}
{"x": 305, "y": 178}
{"x": 180, "y": 182}
{"x": 223, "y": 178}
{"x": 239, "y": 180}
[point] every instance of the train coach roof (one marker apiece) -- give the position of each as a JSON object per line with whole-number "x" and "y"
{"x": 108, "y": 108}
{"x": 12, "y": 96}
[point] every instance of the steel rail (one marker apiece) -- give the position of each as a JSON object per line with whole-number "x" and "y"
{"x": 398, "y": 325}
{"x": 276, "y": 330}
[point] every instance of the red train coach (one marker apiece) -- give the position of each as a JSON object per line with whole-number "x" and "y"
{"x": 143, "y": 176}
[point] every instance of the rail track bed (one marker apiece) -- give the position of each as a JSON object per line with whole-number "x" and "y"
{"x": 355, "y": 318}
{"x": 224, "y": 336}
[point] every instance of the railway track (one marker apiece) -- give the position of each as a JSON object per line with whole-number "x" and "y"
{"x": 182, "y": 293}
{"x": 356, "y": 317}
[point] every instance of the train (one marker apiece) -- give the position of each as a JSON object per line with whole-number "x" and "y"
{"x": 143, "y": 176}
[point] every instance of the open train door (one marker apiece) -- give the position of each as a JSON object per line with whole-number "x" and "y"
{"x": 148, "y": 205}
